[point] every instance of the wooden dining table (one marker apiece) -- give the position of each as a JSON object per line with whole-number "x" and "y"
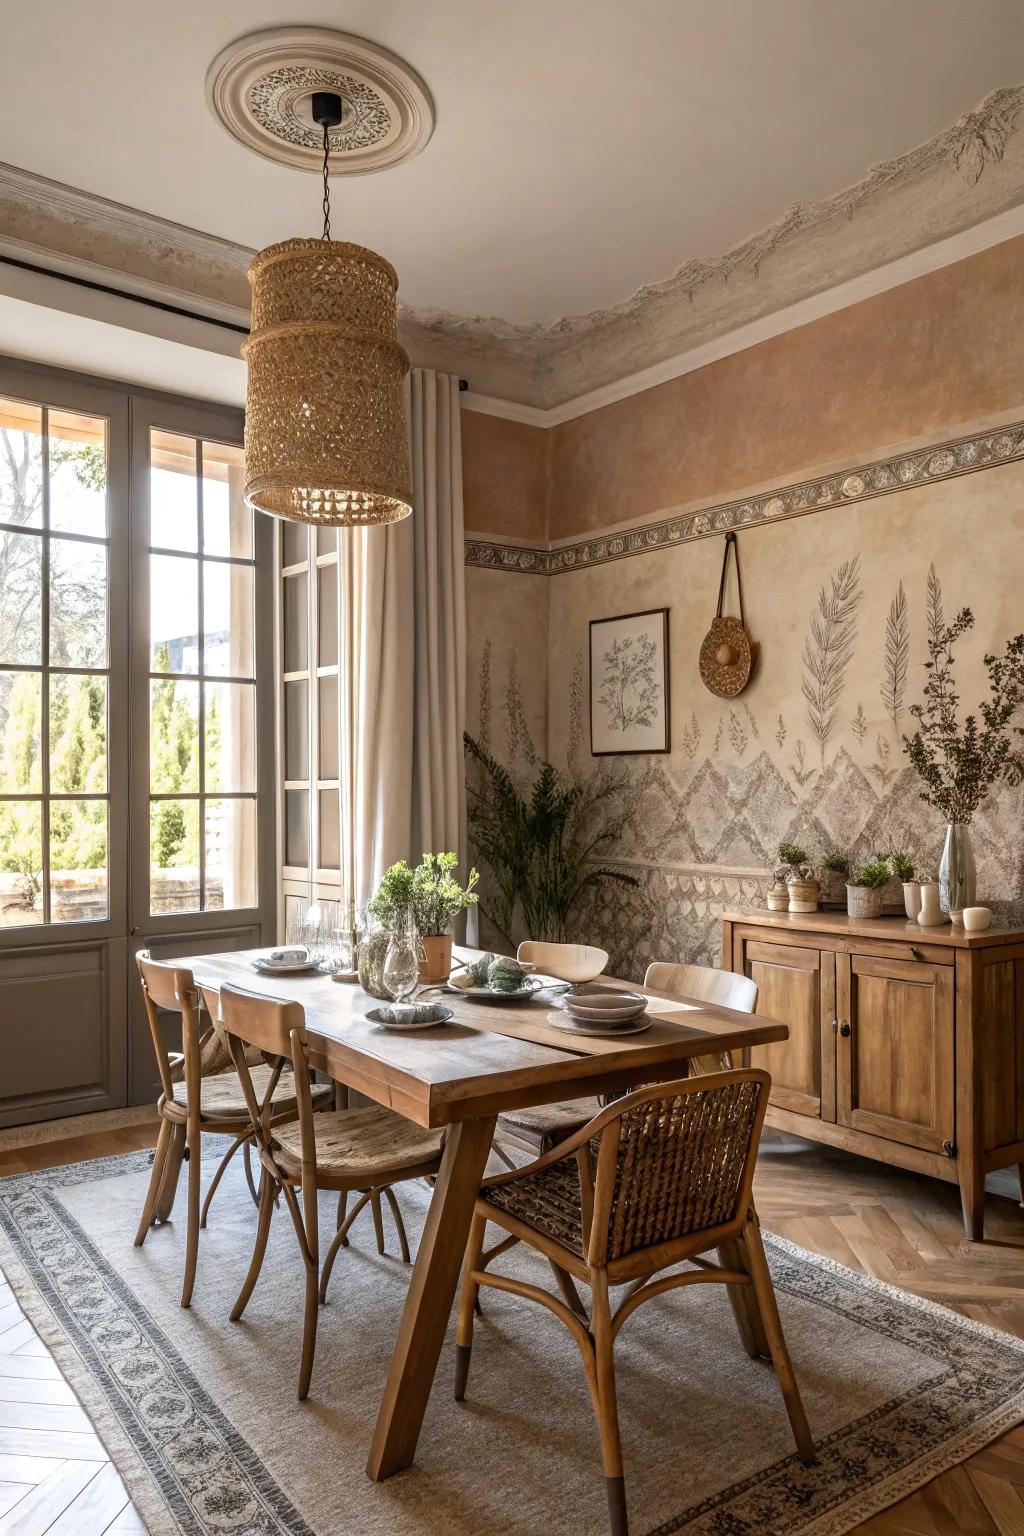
{"x": 490, "y": 1058}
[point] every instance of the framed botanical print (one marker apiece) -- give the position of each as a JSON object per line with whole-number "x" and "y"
{"x": 629, "y": 697}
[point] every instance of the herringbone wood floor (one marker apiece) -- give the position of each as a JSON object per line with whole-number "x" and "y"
{"x": 55, "y": 1479}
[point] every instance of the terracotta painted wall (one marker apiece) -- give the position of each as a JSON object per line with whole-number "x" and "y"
{"x": 924, "y": 358}
{"x": 505, "y": 477}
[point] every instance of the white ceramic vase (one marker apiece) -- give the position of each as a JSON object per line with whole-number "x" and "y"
{"x": 912, "y": 898}
{"x": 931, "y": 913}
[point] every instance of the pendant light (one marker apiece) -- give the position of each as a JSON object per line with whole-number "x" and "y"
{"x": 326, "y": 440}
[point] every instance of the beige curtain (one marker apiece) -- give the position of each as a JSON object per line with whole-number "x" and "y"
{"x": 408, "y": 637}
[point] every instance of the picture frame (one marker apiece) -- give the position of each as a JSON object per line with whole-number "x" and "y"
{"x": 630, "y": 707}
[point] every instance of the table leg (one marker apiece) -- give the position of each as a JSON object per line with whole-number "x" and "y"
{"x": 431, "y": 1294}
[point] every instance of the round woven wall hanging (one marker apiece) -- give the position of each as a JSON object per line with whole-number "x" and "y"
{"x": 727, "y": 655}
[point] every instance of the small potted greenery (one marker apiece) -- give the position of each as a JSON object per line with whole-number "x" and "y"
{"x": 902, "y": 866}
{"x": 433, "y": 898}
{"x": 835, "y": 867}
{"x": 865, "y": 887}
{"x": 803, "y": 887}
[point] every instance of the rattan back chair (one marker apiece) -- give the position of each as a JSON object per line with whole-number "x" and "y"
{"x": 200, "y": 1095}
{"x": 362, "y": 1150}
{"x": 660, "y": 1176}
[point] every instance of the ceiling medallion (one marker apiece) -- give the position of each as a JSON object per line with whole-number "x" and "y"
{"x": 261, "y": 88}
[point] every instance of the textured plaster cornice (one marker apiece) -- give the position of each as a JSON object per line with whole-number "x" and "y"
{"x": 970, "y": 172}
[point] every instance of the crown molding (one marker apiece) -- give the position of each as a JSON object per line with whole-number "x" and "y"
{"x": 944, "y": 253}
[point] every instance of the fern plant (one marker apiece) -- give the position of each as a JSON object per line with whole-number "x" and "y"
{"x": 542, "y": 848}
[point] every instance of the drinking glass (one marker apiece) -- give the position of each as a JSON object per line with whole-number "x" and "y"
{"x": 401, "y": 965}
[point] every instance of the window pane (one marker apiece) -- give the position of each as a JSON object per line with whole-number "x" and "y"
{"x": 296, "y": 615}
{"x": 173, "y": 497}
{"x": 174, "y": 856}
{"x": 296, "y": 730}
{"x": 230, "y": 737}
{"x": 78, "y": 734}
{"x": 78, "y": 473}
{"x": 330, "y": 830}
{"x": 78, "y": 604}
{"x": 230, "y": 854}
{"x": 78, "y": 860}
{"x": 21, "y": 863}
{"x": 173, "y": 614}
{"x": 21, "y": 606}
{"x": 327, "y": 616}
{"x": 227, "y": 521}
{"x": 296, "y": 827}
{"x": 173, "y": 737}
{"x": 21, "y": 464}
{"x": 295, "y": 543}
{"x": 21, "y": 707}
{"x": 227, "y": 619}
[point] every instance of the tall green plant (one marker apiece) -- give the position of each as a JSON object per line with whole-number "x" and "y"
{"x": 541, "y": 848}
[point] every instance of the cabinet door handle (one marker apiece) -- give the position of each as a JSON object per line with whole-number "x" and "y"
{"x": 844, "y": 1028}
{"x": 918, "y": 954}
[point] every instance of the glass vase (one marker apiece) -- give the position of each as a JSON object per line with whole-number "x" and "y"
{"x": 957, "y": 874}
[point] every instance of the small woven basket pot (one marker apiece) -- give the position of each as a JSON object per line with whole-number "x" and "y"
{"x": 864, "y": 900}
{"x": 804, "y": 895}
{"x": 778, "y": 897}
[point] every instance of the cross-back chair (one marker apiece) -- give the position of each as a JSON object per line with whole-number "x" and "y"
{"x": 660, "y": 1176}
{"x": 538, "y": 1127}
{"x": 366, "y": 1151}
{"x": 200, "y": 1095}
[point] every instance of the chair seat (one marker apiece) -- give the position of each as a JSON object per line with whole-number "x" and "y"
{"x": 222, "y": 1098}
{"x": 548, "y": 1124}
{"x": 374, "y": 1145}
{"x": 549, "y": 1202}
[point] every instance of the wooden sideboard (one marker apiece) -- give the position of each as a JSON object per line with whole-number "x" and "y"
{"x": 905, "y": 1044}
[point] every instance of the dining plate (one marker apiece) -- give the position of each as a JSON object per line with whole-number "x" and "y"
{"x": 386, "y": 1019}
{"x": 293, "y": 968}
{"x": 484, "y": 994}
{"x": 570, "y": 1026}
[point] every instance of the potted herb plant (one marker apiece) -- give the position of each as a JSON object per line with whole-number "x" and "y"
{"x": 835, "y": 867}
{"x": 865, "y": 887}
{"x": 960, "y": 763}
{"x": 429, "y": 896}
{"x": 804, "y": 888}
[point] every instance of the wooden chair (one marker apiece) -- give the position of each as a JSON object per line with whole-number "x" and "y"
{"x": 660, "y": 1176}
{"x": 363, "y": 1150}
{"x": 539, "y": 1127}
{"x": 199, "y": 1097}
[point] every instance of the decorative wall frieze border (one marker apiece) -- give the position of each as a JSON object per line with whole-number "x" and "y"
{"x": 883, "y": 477}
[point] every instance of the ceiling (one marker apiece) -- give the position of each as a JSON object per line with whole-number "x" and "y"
{"x": 583, "y": 148}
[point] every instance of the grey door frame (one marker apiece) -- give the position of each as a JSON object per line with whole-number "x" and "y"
{"x": 127, "y": 1064}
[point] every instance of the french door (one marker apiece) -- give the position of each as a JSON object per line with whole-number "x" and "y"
{"x": 136, "y": 729}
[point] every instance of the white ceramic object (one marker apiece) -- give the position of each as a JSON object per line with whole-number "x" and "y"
{"x": 575, "y": 963}
{"x": 584, "y": 1027}
{"x": 977, "y": 919}
{"x": 912, "y": 898}
{"x": 931, "y": 914}
{"x": 610, "y": 1006}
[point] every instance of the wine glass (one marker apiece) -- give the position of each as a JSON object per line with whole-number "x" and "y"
{"x": 401, "y": 966}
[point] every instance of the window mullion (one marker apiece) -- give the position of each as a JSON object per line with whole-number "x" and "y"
{"x": 44, "y": 706}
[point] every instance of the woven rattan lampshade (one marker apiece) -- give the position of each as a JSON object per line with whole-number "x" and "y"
{"x": 325, "y": 430}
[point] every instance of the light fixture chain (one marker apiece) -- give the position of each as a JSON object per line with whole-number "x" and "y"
{"x": 327, "y": 191}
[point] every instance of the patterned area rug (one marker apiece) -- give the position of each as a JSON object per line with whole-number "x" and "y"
{"x": 201, "y": 1419}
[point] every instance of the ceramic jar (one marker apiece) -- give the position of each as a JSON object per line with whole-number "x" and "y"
{"x": 931, "y": 913}
{"x": 977, "y": 919}
{"x": 435, "y": 958}
{"x": 912, "y": 898}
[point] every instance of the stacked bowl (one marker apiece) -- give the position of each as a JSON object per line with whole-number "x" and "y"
{"x": 605, "y": 1013}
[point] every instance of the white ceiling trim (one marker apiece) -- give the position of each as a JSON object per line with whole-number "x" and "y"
{"x": 931, "y": 258}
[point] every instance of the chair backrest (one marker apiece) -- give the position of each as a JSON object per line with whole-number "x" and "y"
{"x": 675, "y": 1160}
{"x": 171, "y": 987}
{"x": 278, "y": 1030}
{"x": 703, "y": 983}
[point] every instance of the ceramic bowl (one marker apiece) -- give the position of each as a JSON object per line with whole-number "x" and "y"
{"x": 575, "y": 963}
{"x": 977, "y": 919}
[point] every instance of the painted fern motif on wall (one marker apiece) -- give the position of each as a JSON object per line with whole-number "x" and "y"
{"x": 896, "y": 657}
{"x": 828, "y": 649}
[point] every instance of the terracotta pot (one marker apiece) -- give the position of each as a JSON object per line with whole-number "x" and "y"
{"x": 435, "y": 958}
{"x": 864, "y": 900}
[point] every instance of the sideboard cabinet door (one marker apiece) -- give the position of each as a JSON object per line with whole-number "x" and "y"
{"x": 797, "y": 986}
{"x": 896, "y": 1050}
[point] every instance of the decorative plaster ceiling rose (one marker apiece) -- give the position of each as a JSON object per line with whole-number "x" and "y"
{"x": 261, "y": 86}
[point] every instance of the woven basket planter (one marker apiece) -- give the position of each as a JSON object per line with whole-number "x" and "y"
{"x": 864, "y": 900}
{"x": 804, "y": 895}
